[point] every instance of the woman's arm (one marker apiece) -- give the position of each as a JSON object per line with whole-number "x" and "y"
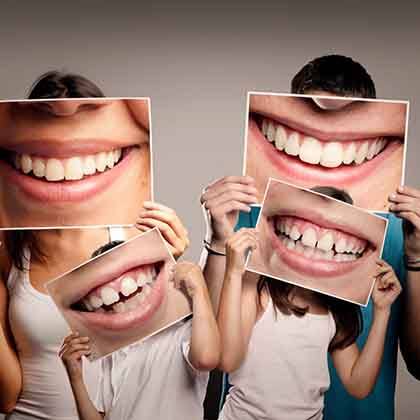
{"x": 204, "y": 350}
{"x": 10, "y": 371}
{"x": 238, "y": 302}
{"x": 71, "y": 352}
{"x": 358, "y": 370}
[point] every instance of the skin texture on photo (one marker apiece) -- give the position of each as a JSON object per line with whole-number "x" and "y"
{"x": 67, "y": 162}
{"x": 123, "y": 295}
{"x": 355, "y": 145}
{"x": 317, "y": 242}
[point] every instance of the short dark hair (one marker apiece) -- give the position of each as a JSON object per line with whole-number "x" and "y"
{"x": 336, "y": 74}
{"x": 56, "y": 84}
{"x": 106, "y": 247}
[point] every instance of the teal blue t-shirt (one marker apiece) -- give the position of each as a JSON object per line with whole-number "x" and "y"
{"x": 379, "y": 405}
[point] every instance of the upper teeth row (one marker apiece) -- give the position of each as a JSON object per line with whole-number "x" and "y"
{"x": 326, "y": 242}
{"x": 311, "y": 150}
{"x": 106, "y": 295}
{"x": 73, "y": 168}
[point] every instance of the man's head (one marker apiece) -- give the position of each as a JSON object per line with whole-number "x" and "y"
{"x": 335, "y": 74}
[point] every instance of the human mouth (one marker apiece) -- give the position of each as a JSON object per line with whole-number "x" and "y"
{"x": 312, "y": 249}
{"x": 129, "y": 300}
{"x": 307, "y": 159}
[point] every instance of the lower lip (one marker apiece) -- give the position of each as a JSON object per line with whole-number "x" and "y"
{"x": 310, "y": 267}
{"x": 65, "y": 191}
{"x": 296, "y": 170}
{"x": 123, "y": 321}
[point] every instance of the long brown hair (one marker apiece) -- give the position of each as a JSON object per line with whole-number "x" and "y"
{"x": 51, "y": 85}
{"x": 347, "y": 316}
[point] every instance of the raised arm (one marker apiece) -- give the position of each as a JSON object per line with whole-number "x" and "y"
{"x": 238, "y": 301}
{"x": 406, "y": 205}
{"x": 10, "y": 371}
{"x": 358, "y": 370}
{"x": 71, "y": 352}
{"x": 222, "y": 201}
{"x": 204, "y": 350}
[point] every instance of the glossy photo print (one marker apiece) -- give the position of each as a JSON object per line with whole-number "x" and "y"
{"x": 74, "y": 162}
{"x": 350, "y": 143}
{"x": 122, "y": 295}
{"x": 312, "y": 240}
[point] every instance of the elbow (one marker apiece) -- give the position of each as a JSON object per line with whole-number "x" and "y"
{"x": 229, "y": 364}
{"x": 7, "y": 406}
{"x": 207, "y": 361}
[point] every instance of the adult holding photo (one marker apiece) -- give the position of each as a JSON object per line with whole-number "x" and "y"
{"x": 229, "y": 200}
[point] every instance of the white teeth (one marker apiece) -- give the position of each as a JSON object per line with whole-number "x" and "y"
{"x": 109, "y": 295}
{"x": 146, "y": 290}
{"x": 110, "y": 160}
{"x": 38, "y": 167}
{"x": 326, "y": 242}
{"x": 128, "y": 286}
{"x": 142, "y": 279}
{"x": 292, "y": 145}
{"x": 361, "y": 153}
{"x": 308, "y": 251}
{"x": 311, "y": 150}
{"x": 54, "y": 170}
{"x": 281, "y": 138}
{"x": 101, "y": 161}
{"x": 371, "y": 150}
{"x": 95, "y": 301}
{"x": 26, "y": 163}
{"x": 309, "y": 237}
{"x": 349, "y": 153}
{"x": 87, "y": 304}
{"x": 89, "y": 165}
{"x": 74, "y": 168}
{"x": 271, "y": 132}
{"x": 117, "y": 155}
{"x": 294, "y": 233}
{"x": 332, "y": 155}
{"x": 341, "y": 245}
{"x": 119, "y": 307}
{"x": 290, "y": 244}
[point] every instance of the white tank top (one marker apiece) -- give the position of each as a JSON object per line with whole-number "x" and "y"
{"x": 285, "y": 373}
{"x": 39, "y": 329}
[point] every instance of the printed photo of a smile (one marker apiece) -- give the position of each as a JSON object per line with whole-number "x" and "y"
{"x": 351, "y": 143}
{"x": 312, "y": 240}
{"x": 123, "y": 295}
{"x": 64, "y": 162}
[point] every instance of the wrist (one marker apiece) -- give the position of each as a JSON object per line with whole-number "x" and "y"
{"x": 218, "y": 245}
{"x": 382, "y": 313}
{"x": 235, "y": 273}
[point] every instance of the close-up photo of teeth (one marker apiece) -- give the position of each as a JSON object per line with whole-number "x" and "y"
{"x": 309, "y": 239}
{"x": 351, "y": 143}
{"x": 64, "y": 162}
{"x": 123, "y": 295}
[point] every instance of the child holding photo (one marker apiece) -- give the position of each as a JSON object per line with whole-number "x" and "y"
{"x": 276, "y": 337}
{"x": 163, "y": 377}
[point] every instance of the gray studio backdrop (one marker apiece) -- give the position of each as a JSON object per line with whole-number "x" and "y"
{"x": 197, "y": 65}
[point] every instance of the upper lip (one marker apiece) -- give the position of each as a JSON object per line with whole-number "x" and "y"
{"x": 65, "y": 149}
{"x": 324, "y": 134}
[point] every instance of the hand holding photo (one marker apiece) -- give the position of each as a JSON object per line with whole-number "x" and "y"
{"x": 349, "y": 143}
{"x": 318, "y": 240}
{"x": 121, "y": 295}
{"x": 65, "y": 162}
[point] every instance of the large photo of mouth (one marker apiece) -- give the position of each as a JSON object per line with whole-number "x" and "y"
{"x": 350, "y": 143}
{"x": 66, "y": 162}
{"x": 310, "y": 239}
{"x": 123, "y": 295}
